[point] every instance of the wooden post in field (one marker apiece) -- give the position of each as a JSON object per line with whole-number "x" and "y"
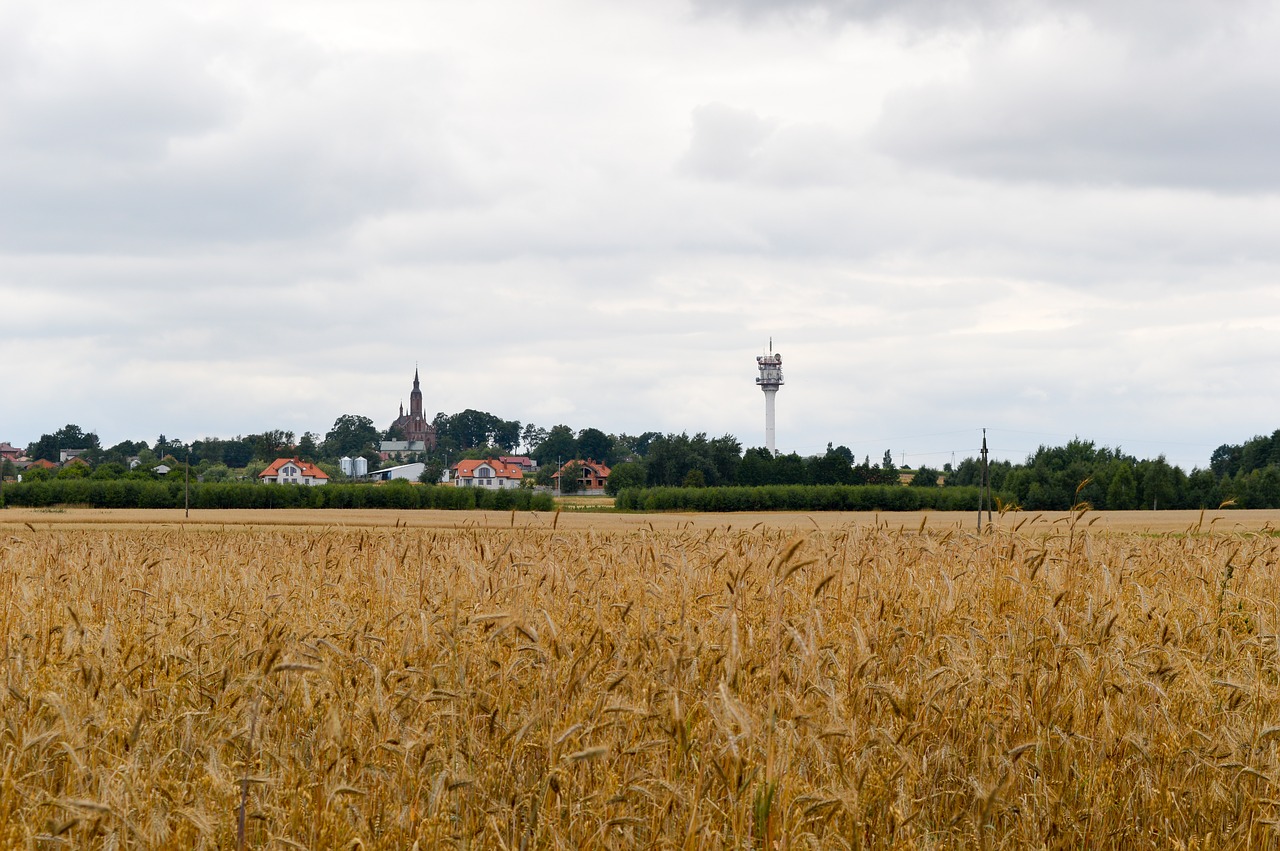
{"x": 186, "y": 491}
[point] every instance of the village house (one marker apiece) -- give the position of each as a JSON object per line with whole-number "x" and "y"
{"x": 11, "y": 453}
{"x": 293, "y": 471}
{"x": 486, "y": 473}
{"x": 525, "y": 462}
{"x": 591, "y": 479}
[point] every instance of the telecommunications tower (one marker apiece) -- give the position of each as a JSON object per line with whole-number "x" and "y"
{"x": 769, "y": 381}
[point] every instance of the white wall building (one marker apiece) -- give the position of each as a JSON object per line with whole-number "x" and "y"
{"x": 285, "y": 471}
{"x": 473, "y": 473}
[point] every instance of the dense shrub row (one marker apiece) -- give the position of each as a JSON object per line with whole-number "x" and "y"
{"x": 132, "y": 493}
{"x": 799, "y": 498}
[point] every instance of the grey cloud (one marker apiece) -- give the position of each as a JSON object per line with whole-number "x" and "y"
{"x": 916, "y": 13}
{"x": 1146, "y": 127}
{"x": 729, "y": 144}
{"x": 190, "y": 136}
{"x": 1157, "y": 20}
{"x": 1102, "y": 93}
{"x": 95, "y": 105}
{"x": 725, "y": 141}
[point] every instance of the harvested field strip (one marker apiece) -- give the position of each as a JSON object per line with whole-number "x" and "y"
{"x": 565, "y": 688}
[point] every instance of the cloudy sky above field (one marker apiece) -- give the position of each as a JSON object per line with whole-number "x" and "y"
{"x": 1045, "y": 218}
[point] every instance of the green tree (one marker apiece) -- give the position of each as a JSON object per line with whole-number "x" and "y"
{"x": 559, "y": 446}
{"x": 432, "y": 472}
{"x": 1156, "y": 484}
{"x": 471, "y": 428}
{"x": 725, "y": 455}
{"x": 925, "y": 477}
{"x": 275, "y": 443}
{"x": 531, "y": 436}
{"x": 757, "y": 468}
{"x": 46, "y": 449}
{"x": 70, "y": 436}
{"x": 308, "y": 449}
{"x": 1204, "y": 490}
{"x": 789, "y": 469}
{"x": 694, "y": 479}
{"x": 123, "y": 451}
{"x": 571, "y": 478}
{"x": 217, "y": 473}
{"x": 1122, "y": 490}
{"x": 627, "y": 474}
{"x": 833, "y": 468}
{"x": 108, "y": 470}
{"x": 886, "y": 473}
{"x": 237, "y": 453}
{"x": 506, "y": 434}
{"x": 1225, "y": 460}
{"x": 626, "y": 445}
{"x": 595, "y": 445}
{"x": 351, "y": 435}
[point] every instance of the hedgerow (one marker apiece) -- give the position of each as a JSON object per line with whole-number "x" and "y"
{"x": 799, "y": 498}
{"x": 128, "y": 493}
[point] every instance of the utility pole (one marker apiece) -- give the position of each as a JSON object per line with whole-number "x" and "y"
{"x": 984, "y": 489}
{"x": 187, "y": 488}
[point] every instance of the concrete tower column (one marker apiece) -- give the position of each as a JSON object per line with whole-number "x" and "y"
{"x": 770, "y": 393}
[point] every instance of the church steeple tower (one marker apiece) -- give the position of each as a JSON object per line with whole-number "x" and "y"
{"x": 415, "y": 398}
{"x": 412, "y": 424}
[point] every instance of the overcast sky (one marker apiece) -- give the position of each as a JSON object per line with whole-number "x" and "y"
{"x": 1045, "y": 218}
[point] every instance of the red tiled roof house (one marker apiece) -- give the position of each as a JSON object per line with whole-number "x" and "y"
{"x": 285, "y": 471}
{"x": 593, "y": 478}
{"x": 487, "y": 473}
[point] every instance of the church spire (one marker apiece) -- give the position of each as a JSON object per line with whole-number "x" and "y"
{"x": 415, "y": 398}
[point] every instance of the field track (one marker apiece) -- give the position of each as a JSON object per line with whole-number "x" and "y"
{"x": 935, "y": 521}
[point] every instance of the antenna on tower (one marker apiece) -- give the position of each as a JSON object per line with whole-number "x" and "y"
{"x": 770, "y": 380}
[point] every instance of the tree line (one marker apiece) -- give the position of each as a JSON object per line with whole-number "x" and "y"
{"x": 1052, "y": 478}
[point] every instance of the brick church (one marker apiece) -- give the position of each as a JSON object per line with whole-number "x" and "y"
{"x": 414, "y": 425}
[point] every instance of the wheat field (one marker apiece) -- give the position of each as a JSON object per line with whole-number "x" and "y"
{"x": 565, "y": 683}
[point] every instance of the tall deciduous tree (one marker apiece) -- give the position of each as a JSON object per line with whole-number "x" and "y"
{"x": 70, "y": 436}
{"x": 628, "y": 474}
{"x": 559, "y": 446}
{"x": 351, "y": 435}
{"x": 595, "y": 445}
